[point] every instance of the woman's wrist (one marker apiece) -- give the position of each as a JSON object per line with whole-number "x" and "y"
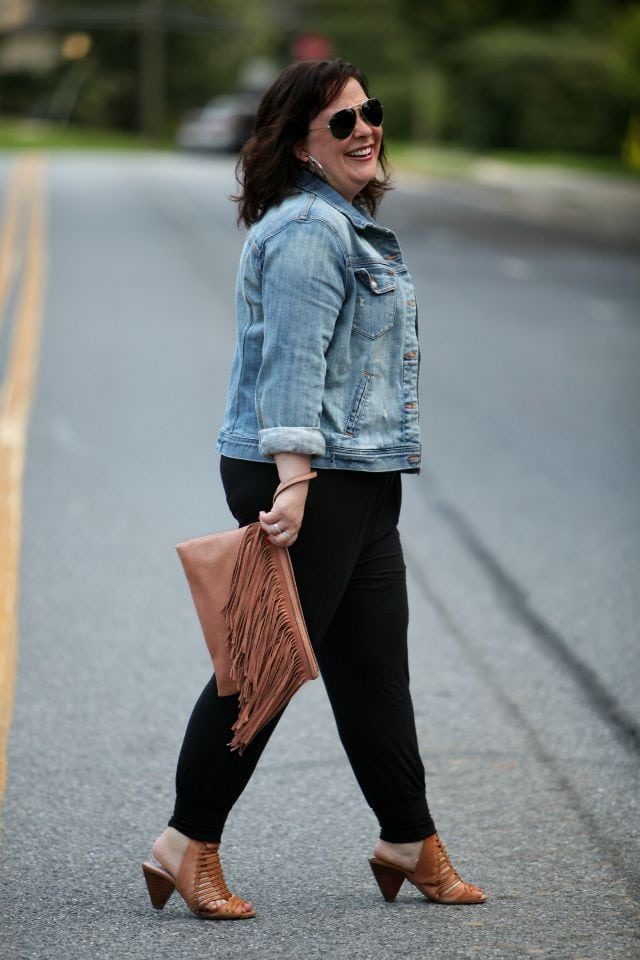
{"x": 292, "y": 465}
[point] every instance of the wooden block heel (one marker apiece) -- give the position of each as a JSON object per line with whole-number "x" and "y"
{"x": 389, "y": 879}
{"x": 200, "y": 882}
{"x": 159, "y": 884}
{"x": 434, "y": 876}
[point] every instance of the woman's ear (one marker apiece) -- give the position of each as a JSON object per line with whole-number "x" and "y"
{"x": 300, "y": 152}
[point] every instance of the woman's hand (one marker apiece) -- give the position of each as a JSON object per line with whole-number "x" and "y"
{"x": 288, "y": 510}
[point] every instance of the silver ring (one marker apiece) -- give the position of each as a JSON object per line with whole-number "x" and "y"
{"x": 278, "y": 528}
{"x": 285, "y": 533}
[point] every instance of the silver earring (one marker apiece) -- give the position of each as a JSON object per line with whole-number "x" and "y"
{"x": 316, "y": 167}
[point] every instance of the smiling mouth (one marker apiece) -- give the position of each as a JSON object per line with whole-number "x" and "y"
{"x": 362, "y": 153}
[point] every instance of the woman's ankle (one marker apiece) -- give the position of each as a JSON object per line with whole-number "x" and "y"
{"x": 169, "y": 848}
{"x": 403, "y": 854}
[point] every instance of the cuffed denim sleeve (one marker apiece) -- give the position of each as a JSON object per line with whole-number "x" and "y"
{"x": 303, "y": 292}
{"x": 291, "y": 440}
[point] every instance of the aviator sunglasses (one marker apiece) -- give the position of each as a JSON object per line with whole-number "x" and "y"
{"x": 343, "y": 123}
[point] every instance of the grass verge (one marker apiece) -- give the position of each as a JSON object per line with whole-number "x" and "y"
{"x": 434, "y": 161}
{"x": 458, "y": 162}
{"x": 17, "y": 134}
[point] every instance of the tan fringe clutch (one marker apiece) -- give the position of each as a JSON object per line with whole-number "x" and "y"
{"x": 247, "y": 601}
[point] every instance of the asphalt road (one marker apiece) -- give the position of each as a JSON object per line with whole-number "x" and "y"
{"x": 522, "y": 538}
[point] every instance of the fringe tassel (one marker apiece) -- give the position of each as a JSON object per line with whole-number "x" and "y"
{"x": 265, "y": 659}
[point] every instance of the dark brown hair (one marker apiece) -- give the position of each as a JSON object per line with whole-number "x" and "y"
{"x": 267, "y": 168}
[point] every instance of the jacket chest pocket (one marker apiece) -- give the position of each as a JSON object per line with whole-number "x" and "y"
{"x": 375, "y": 310}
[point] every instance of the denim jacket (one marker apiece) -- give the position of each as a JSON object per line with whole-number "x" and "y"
{"x": 327, "y": 354}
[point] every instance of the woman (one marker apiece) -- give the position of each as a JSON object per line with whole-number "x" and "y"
{"x": 325, "y": 376}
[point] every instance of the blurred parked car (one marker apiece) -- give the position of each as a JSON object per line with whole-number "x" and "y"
{"x": 225, "y": 123}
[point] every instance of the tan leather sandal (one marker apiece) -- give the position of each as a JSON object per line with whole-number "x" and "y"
{"x": 434, "y": 876}
{"x": 199, "y": 882}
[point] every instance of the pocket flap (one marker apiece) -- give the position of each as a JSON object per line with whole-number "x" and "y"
{"x": 377, "y": 281}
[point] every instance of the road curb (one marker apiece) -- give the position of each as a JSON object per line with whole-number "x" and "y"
{"x": 597, "y": 205}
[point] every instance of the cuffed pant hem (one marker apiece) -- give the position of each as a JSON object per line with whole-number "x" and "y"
{"x": 408, "y": 835}
{"x": 406, "y": 822}
{"x": 197, "y": 821}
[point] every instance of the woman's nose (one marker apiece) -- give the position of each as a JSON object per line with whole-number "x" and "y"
{"x": 362, "y": 128}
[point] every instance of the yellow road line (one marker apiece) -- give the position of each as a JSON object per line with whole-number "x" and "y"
{"x": 15, "y": 406}
{"x": 10, "y": 228}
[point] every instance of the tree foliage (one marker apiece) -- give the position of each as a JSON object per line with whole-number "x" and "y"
{"x": 420, "y": 57}
{"x": 525, "y": 90}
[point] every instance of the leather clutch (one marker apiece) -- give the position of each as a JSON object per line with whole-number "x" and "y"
{"x": 245, "y": 595}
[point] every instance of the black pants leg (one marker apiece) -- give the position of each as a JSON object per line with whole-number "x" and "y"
{"x": 365, "y": 669}
{"x": 351, "y": 579}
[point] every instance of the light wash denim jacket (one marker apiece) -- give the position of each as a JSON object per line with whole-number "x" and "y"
{"x": 327, "y": 354}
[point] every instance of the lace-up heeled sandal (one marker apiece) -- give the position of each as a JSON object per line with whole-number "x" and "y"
{"x": 434, "y": 876}
{"x": 199, "y": 882}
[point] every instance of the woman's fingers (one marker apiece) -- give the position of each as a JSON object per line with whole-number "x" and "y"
{"x": 287, "y": 514}
{"x": 286, "y": 518}
{"x": 268, "y": 519}
{"x": 281, "y": 528}
{"x": 281, "y": 539}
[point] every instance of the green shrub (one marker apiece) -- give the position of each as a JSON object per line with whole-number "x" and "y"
{"x": 394, "y": 93}
{"x": 627, "y": 36}
{"x": 514, "y": 89}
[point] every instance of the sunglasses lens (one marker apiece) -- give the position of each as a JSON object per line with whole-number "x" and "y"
{"x": 372, "y": 112}
{"x": 342, "y": 123}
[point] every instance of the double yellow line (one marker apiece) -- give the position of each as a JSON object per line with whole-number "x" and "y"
{"x": 22, "y": 282}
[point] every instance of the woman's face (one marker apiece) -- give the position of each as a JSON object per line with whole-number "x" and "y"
{"x": 348, "y": 164}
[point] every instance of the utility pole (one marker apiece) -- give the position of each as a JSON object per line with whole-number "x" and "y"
{"x": 151, "y": 105}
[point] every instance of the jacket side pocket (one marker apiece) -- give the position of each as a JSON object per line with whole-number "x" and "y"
{"x": 357, "y": 407}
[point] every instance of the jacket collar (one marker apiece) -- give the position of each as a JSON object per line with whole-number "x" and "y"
{"x": 312, "y": 184}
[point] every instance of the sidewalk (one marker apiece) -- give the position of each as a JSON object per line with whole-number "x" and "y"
{"x": 598, "y": 204}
